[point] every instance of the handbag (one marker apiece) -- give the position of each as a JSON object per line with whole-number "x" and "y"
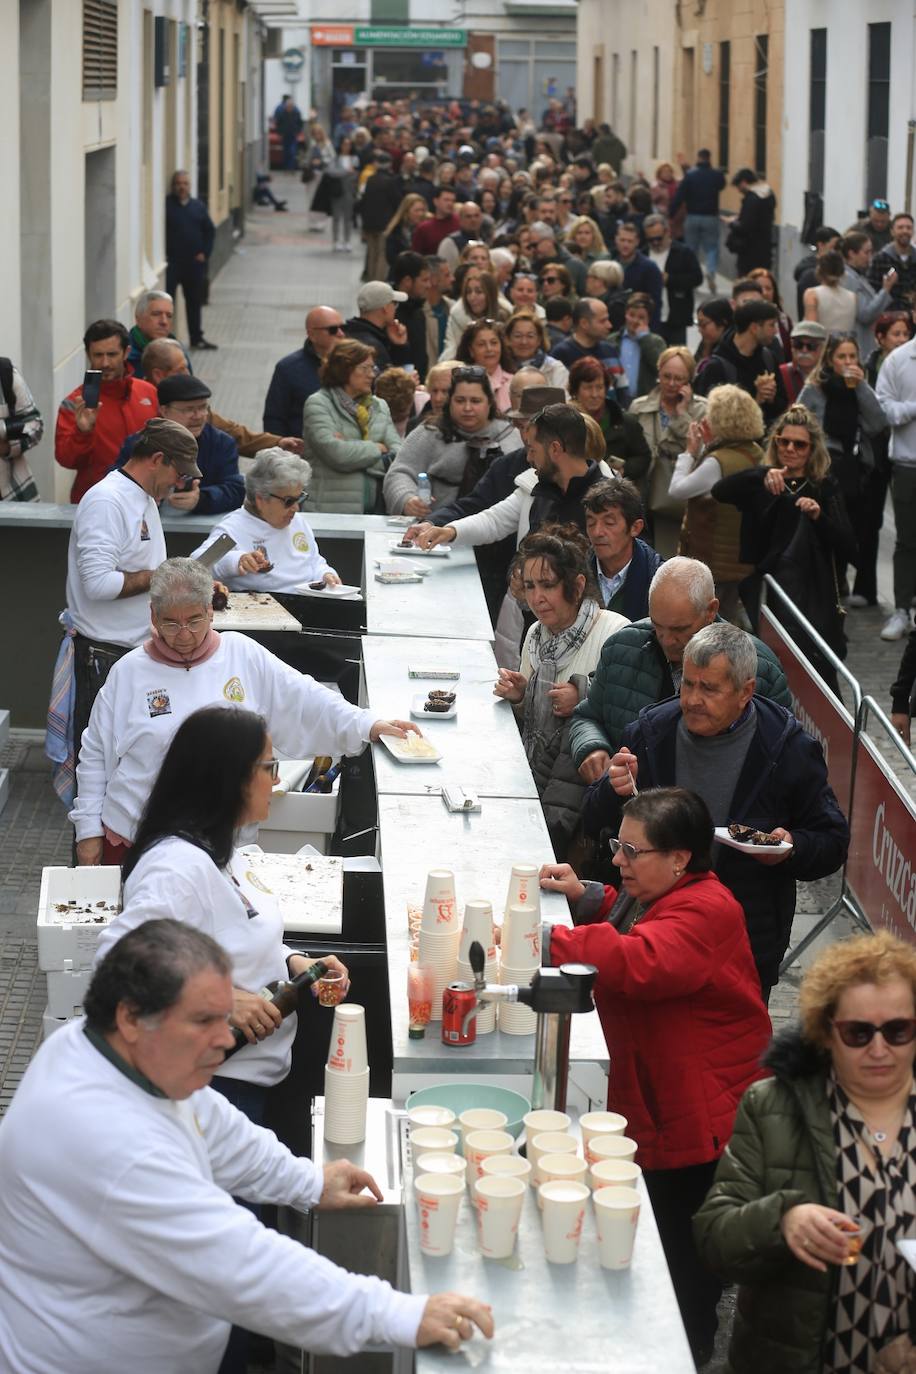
{"x": 661, "y": 502}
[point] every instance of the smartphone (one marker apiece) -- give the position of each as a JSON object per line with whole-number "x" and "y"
{"x": 92, "y": 388}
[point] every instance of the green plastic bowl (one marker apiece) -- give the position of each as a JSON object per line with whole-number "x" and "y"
{"x": 461, "y": 1097}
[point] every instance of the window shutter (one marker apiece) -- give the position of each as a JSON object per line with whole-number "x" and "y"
{"x": 100, "y": 49}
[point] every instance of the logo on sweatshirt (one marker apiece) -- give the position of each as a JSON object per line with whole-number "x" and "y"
{"x": 300, "y": 542}
{"x": 255, "y": 881}
{"x": 144, "y": 530}
{"x": 158, "y": 703}
{"x": 233, "y": 690}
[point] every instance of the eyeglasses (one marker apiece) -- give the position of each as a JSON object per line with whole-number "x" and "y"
{"x": 173, "y": 627}
{"x": 549, "y": 280}
{"x": 656, "y": 238}
{"x": 858, "y": 1034}
{"x": 288, "y": 501}
{"x": 629, "y": 851}
{"x": 469, "y": 374}
{"x": 273, "y": 766}
{"x": 800, "y": 445}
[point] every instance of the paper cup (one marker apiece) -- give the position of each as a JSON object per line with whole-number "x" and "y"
{"x": 544, "y": 1119}
{"x": 506, "y": 1166}
{"x": 563, "y": 1205}
{"x": 498, "y": 1204}
{"x": 616, "y": 1219}
{"x": 438, "y": 1199}
{"x": 480, "y": 1145}
{"x": 440, "y": 1164}
{"x": 482, "y": 1119}
{"x": 609, "y": 1173}
{"x": 440, "y": 912}
{"x": 477, "y": 925}
{"x": 521, "y": 937}
{"x": 432, "y": 1140}
{"x": 550, "y": 1143}
{"x": 347, "y": 1053}
{"x": 428, "y": 1115}
{"x": 610, "y": 1147}
{"x": 514, "y": 1019}
{"x": 524, "y": 887}
{"x": 550, "y": 1167}
{"x": 601, "y": 1123}
{"x": 346, "y": 1098}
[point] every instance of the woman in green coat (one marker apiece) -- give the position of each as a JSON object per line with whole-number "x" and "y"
{"x": 818, "y": 1182}
{"x": 349, "y": 435}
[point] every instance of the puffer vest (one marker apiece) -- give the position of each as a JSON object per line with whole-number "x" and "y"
{"x": 711, "y": 531}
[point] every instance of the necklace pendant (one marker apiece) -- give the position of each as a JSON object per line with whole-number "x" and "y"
{"x": 879, "y": 1136}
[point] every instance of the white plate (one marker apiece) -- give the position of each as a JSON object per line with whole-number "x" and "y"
{"x": 303, "y": 589}
{"x": 418, "y": 703}
{"x": 388, "y": 566}
{"x": 414, "y": 551}
{"x": 722, "y": 835}
{"x": 399, "y": 749}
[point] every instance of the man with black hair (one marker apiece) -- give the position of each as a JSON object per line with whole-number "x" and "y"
{"x": 639, "y": 272}
{"x": 745, "y": 358}
{"x": 750, "y": 234}
{"x": 558, "y": 316}
{"x": 623, "y": 564}
{"x": 411, "y": 278}
{"x": 189, "y": 238}
{"x": 899, "y": 256}
{"x": 699, "y": 193}
{"x": 428, "y": 235}
{"x": 589, "y": 339}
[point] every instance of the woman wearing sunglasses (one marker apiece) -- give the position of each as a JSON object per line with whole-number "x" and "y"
{"x": 818, "y": 1183}
{"x": 680, "y": 1006}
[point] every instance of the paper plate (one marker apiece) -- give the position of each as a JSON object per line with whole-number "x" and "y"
{"x": 400, "y": 749}
{"x": 418, "y": 711}
{"x": 722, "y": 835}
{"x": 414, "y": 551}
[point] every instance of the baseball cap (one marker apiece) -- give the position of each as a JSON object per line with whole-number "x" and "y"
{"x": 377, "y": 294}
{"x": 177, "y": 443}
{"x": 535, "y": 398}
{"x": 181, "y": 386}
{"x": 809, "y": 329}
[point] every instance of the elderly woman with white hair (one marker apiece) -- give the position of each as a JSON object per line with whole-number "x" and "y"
{"x": 183, "y": 666}
{"x": 275, "y": 549}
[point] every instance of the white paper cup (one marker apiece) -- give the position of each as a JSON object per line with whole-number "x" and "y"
{"x": 440, "y": 911}
{"x": 515, "y": 1019}
{"x": 477, "y": 925}
{"x": 544, "y": 1119}
{"x": 563, "y": 1205}
{"x": 438, "y": 1199}
{"x": 440, "y": 1164}
{"x": 550, "y": 1143}
{"x": 347, "y": 1052}
{"x": 498, "y": 1204}
{"x": 480, "y": 1145}
{"x": 610, "y": 1147}
{"x": 550, "y": 1167}
{"x": 520, "y": 946}
{"x": 346, "y": 1098}
{"x": 616, "y": 1219}
{"x": 609, "y": 1173}
{"x": 433, "y": 1140}
{"x": 506, "y": 1166}
{"x": 428, "y": 1115}
{"x": 482, "y": 1119}
{"x": 524, "y": 887}
{"x": 601, "y": 1123}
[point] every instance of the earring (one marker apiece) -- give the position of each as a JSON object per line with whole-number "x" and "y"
{"x": 678, "y": 872}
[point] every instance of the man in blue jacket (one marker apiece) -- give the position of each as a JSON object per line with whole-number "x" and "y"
{"x": 639, "y": 272}
{"x": 623, "y": 564}
{"x": 189, "y": 236}
{"x": 699, "y": 193}
{"x": 751, "y": 762}
{"x": 221, "y": 487}
{"x": 295, "y": 377}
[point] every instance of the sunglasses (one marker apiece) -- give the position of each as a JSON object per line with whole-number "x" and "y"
{"x": 289, "y": 501}
{"x": 548, "y": 280}
{"x": 656, "y": 238}
{"x": 469, "y": 374}
{"x": 858, "y": 1034}
{"x": 880, "y": 205}
{"x": 629, "y": 851}
{"x": 331, "y": 328}
{"x": 800, "y": 445}
{"x": 805, "y": 345}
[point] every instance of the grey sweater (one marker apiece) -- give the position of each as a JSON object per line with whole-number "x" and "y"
{"x": 425, "y": 450}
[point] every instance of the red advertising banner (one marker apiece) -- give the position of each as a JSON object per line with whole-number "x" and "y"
{"x": 815, "y": 707}
{"x": 881, "y": 869}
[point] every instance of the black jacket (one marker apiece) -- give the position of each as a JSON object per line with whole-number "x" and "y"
{"x": 189, "y": 230}
{"x": 625, "y": 438}
{"x": 699, "y": 190}
{"x": 387, "y": 354}
{"x": 902, "y": 695}
{"x": 552, "y": 506}
{"x": 783, "y": 783}
{"x": 728, "y": 365}
{"x": 413, "y": 318}
{"x": 632, "y": 600}
{"x": 381, "y": 197}
{"x": 295, "y": 378}
{"x": 684, "y": 275}
{"x": 750, "y": 236}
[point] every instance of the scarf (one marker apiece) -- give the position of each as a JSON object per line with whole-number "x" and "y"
{"x": 160, "y": 652}
{"x": 359, "y": 408}
{"x": 550, "y": 655}
{"x": 841, "y": 414}
{"x": 872, "y": 1295}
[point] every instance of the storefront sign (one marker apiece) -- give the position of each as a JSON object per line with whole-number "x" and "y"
{"x": 378, "y": 37}
{"x": 881, "y": 869}
{"x": 338, "y": 36}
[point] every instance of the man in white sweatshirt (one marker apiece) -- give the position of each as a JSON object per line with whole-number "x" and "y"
{"x": 120, "y": 1244}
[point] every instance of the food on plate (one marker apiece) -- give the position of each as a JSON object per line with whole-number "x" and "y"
{"x": 417, "y": 746}
{"x": 746, "y": 834}
{"x": 220, "y": 599}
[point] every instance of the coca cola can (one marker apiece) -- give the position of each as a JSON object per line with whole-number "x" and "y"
{"x": 457, "y": 1000}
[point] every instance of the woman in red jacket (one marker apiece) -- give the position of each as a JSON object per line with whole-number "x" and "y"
{"x": 680, "y": 1006}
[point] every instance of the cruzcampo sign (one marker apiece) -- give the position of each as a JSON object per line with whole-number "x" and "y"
{"x": 376, "y": 36}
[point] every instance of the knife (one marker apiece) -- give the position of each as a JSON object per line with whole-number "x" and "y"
{"x": 211, "y": 556}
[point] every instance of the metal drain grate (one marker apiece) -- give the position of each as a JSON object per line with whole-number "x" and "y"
{"x": 23, "y": 998}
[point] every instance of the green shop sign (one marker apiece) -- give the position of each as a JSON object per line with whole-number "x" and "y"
{"x": 372, "y": 36}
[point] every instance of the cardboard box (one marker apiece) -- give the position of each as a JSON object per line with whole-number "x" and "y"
{"x": 64, "y": 943}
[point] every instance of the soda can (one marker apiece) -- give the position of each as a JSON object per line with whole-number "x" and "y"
{"x": 457, "y": 1000}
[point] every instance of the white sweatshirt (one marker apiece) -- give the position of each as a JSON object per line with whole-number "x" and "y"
{"x": 121, "y": 1247}
{"x": 179, "y": 880}
{"x": 116, "y": 530}
{"x": 143, "y": 703}
{"x": 293, "y": 551}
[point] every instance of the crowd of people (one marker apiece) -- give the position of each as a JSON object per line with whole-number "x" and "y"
{"x": 515, "y": 379}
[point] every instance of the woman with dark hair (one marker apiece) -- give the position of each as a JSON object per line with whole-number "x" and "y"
{"x": 679, "y": 1000}
{"x": 527, "y": 345}
{"x": 556, "y": 281}
{"x": 892, "y": 329}
{"x": 714, "y": 318}
{"x": 453, "y": 448}
{"x": 483, "y": 344}
{"x": 560, "y": 652}
{"x": 410, "y": 214}
{"x": 478, "y": 300}
{"x": 830, "y": 303}
{"x": 625, "y": 444}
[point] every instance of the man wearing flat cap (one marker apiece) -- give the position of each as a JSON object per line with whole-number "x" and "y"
{"x": 221, "y": 487}
{"x": 116, "y": 544}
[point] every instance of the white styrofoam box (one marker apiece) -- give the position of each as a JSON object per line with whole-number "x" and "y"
{"x": 50, "y": 1024}
{"x": 66, "y": 990}
{"x": 4, "y": 726}
{"x": 308, "y": 888}
{"x": 62, "y": 939}
{"x": 298, "y": 818}
{"x": 4, "y": 787}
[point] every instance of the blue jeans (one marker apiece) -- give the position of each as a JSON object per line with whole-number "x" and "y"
{"x": 701, "y": 233}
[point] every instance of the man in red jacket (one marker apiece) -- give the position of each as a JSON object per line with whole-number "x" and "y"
{"x": 88, "y": 438}
{"x": 429, "y": 234}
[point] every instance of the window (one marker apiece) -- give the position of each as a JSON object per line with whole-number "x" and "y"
{"x": 725, "y": 97}
{"x": 879, "y": 92}
{"x": 655, "y": 65}
{"x": 761, "y": 72}
{"x": 100, "y": 49}
{"x": 817, "y": 109}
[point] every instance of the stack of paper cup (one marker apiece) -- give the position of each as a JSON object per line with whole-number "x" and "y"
{"x": 438, "y": 1199}
{"x": 478, "y": 925}
{"x": 346, "y": 1077}
{"x": 439, "y": 934}
{"x": 498, "y": 1203}
{"x": 616, "y": 1218}
{"x": 524, "y": 887}
{"x": 520, "y": 956}
{"x": 563, "y": 1204}
{"x": 481, "y": 1145}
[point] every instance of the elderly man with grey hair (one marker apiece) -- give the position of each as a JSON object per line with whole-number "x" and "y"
{"x": 752, "y": 763}
{"x": 154, "y": 314}
{"x": 184, "y": 665}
